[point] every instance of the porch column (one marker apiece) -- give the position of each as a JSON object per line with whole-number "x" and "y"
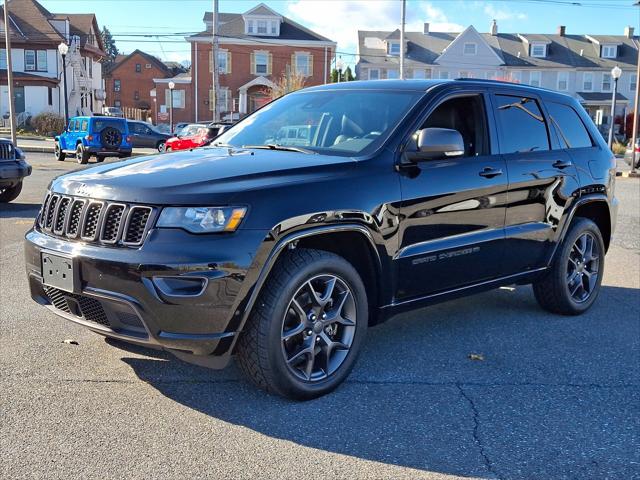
{"x": 242, "y": 102}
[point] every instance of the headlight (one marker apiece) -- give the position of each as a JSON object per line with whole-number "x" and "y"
{"x": 202, "y": 219}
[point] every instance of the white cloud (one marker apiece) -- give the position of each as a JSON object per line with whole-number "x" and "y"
{"x": 341, "y": 20}
{"x": 502, "y": 13}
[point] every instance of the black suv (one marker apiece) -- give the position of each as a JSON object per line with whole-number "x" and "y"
{"x": 397, "y": 195}
{"x": 13, "y": 170}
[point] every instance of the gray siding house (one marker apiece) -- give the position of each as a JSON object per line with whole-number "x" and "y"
{"x": 579, "y": 65}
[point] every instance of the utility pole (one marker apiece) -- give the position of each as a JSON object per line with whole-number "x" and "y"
{"x": 636, "y": 103}
{"x": 214, "y": 61}
{"x": 404, "y": 5}
{"x": 7, "y": 36}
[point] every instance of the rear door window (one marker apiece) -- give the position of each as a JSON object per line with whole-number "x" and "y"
{"x": 101, "y": 124}
{"x": 522, "y": 125}
{"x": 85, "y": 124}
{"x": 571, "y": 130}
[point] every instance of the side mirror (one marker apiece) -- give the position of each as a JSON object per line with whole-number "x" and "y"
{"x": 437, "y": 143}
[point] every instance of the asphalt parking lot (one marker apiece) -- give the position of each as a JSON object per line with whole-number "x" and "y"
{"x": 553, "y": 397}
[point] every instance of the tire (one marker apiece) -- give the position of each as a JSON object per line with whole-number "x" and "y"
{"x": 167, "y": 149}
{"x": 329, "y": 343}
{"x": 160, "y": 147}
{"x": 110, "y": 137}
{"x": 9, "y": 194}
{"x": 573, "y": 282}
{"x": 82, "y": 156}
{"x": 100, "y": 158}
{"x": 58, "y": 153}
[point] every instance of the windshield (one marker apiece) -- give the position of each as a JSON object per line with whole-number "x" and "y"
{"x": 101, "y": 124}
{"x": 332, "y": 122}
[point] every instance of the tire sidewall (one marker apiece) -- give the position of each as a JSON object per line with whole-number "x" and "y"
{"x": 580, "y": 227}
{"x": 287, "y": 383}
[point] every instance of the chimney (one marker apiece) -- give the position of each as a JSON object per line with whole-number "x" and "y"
{"x": 425, "y": 29}
{"x": 494, "y": 28}
{"x": 562, "y": 30}
{"x": 628, "y": 31}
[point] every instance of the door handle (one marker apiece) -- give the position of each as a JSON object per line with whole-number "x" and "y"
{"x": 489, "y": 172}
{"x": 562, "y": 164}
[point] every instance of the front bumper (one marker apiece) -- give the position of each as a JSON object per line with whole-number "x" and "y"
{"x": 12, "y": 172}
{"x": 178, "y": 292}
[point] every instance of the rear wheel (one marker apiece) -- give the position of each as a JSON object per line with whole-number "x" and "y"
{"x": 82, "y": 156}
{"x": 573, "y": 282}
{"x": 161, "y": 146}
{"x": 58, "y": 153}
{"x": 8, "y": 194}
{"x": 306, "y": 330}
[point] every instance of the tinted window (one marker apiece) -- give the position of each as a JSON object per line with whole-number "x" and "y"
{"x": 85, "y": 123}
{"x": 571, "y": 130}
{"x": 101, "y": 124}
{"x": 522, "y": 126}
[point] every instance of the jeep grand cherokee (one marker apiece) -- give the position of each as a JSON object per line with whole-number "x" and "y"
{"x": 401, "y": 194}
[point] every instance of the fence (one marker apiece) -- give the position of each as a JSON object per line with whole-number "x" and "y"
{"x": 135, "y": 113}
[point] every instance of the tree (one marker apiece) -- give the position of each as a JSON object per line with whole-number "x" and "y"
{"x": 287, "y": 83}
{"x": 347, "y": 75}
{"x": 109, "y": 45}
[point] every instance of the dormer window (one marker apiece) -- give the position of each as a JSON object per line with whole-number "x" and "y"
{"x": 262, "y": 27}
{"x": 394, "y": 48}
{"x": 609, "y": 51}
{"x": 470, "y": 48}
{"x": 250, "y": 26}
{"x": 538, "y": 50}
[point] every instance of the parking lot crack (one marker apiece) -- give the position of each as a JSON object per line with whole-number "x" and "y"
{"x": 476, "y": 436}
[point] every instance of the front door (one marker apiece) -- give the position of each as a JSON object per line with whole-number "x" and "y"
{"x": 18, "y": 97}
{"x": 452, "y": 214}
{"x": 542, "y": 181}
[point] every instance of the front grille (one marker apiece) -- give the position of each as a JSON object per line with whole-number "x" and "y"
{"x": 7, "y": 152}
{"x": 79, "y": 305}
{"x": 94, "y": 221}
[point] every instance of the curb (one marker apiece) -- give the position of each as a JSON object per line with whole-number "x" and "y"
{"x": 35, "y": 149}
{"x": 628, "y": 174}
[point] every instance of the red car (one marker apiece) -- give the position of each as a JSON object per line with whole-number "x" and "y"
{"x": 191, "y": 136}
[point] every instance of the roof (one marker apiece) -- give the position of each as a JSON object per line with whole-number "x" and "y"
{"x": 566, "y": 51}
{"x": 29, "y": 78}
{"x": 121, "y": 59}
{"x": 601, "y": 97}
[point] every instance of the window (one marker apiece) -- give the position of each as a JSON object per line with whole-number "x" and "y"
{"x": 443, "y": 75}
{"x": 563, "y": 81}
{"x": 633, "y": 82}
{"x": 178, "y": 98}
{"x": 223, "y": 100}
{"x": 392, "y": 73}
{"x": 136, "y": 95}
{"x": 116, "y": 85}
{"x": 571, "y": 130}
{"x": 470, "y": 49}
{"x": 418, "y": 73}
{"x": 261, "y": 66}
{"x": 29, "y": 60}
{"x": 609, "y": 51}
{"x": 394, "y": 48}
{"x": 41, "y": 60}
{"x": 147, "y": 66}
{"x": 374, "y": 74}
{"x": 302, "y": 62}
{"x": 522, "y": 126}
{"x": 606, "y": 82}
{"x": 587, "y": 81}
{"x": 85, "y": 125}
{"x": 515, "y": 76}
{"x": 466, "y": 114}
{"x": 535, "y": 78}
{"x": 538, "y": 50}
{"x": 90, "y": 67}
{"x": 3, "y": 59}
{"x": 49, "y": 96}
{"x": 465, "y": 74}
{"x": 250, "y": 26}
{"x": 117, "y": 103}
{"x": 274, "y": 28}
{"x": 223, "y": 63}
{"x": 492, "y": 75}
{"x": 262, "y": 27}
{"x": 138, "y": 68}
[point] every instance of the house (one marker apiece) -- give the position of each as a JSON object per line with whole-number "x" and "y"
{"x": 129, "y": 81}
{"x": 579, "y": 65}
{"x": 256, "y": 48}
{"x": 37, "y": 65}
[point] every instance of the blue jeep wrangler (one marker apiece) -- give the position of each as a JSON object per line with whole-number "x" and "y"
{"x": 98, "y": 136}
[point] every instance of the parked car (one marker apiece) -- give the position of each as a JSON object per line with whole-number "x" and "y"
{"x": 409, "y": 193}
{"x": 191, "y": 136}
{"x": 144, "y": 135}
{"x": 628, "y": 153}
{"x": 100, "y": 137}
{"x": 112, "y": 111}
{"x": 13, "y": 170}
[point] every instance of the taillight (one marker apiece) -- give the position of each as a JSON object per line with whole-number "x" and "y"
{"x": 89, "y": 138}
{"x": 637, "y": 149}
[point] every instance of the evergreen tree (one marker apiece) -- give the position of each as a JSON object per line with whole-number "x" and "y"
{"x": 346, "y": 76}
{"x": 109, "y": 45}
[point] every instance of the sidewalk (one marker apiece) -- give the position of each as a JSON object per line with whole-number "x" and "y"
{"x": 45, "y": 145}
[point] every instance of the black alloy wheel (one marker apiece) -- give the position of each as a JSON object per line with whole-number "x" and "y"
{"x": 110, "y": 137}
{"x": 582, "y": 267}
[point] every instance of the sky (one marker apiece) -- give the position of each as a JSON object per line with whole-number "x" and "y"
{"x": 164, "y": 23}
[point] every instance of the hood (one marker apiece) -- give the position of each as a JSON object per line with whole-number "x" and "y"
{"x": 197, "y": 176}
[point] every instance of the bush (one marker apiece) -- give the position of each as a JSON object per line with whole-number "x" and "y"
{"x": 618, "y": 148}
{"x": 48, "y": 124}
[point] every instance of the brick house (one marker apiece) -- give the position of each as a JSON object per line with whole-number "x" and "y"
{"x": 255, "y": 49}
{"x": 130, "y": 80}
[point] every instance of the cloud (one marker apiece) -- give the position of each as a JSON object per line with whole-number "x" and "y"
{"x": 503, "y": 13}
{"x": 341, "y": 20}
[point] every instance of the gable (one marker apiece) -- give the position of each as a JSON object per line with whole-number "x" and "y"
{"x": 469, "y": 48}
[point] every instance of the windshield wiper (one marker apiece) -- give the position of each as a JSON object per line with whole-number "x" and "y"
{"x": 282, "y": 148}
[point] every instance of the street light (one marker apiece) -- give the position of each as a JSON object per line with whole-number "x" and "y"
{"x": 171, "y": 87}
{"x": 339, "y": 66}
{"x": 616, "y": 72}
{"x": 63, "y": 49}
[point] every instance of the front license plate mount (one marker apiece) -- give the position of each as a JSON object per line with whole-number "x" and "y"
{"x": 59, "y": 271}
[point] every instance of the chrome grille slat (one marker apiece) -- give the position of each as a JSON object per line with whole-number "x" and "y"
{"x": 96, "y": 221}
{"x": 6, "y": 151}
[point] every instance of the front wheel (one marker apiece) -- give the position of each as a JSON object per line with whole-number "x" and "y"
{"x": 58, "y": 153}
{"x": 8, "y": 194}
{"x": 572, "y": 283}
{"x": 307, "y": 327}
{"x": 161, "y": 147}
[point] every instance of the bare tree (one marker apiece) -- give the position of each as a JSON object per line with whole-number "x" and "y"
{"x": 288, "y": 82}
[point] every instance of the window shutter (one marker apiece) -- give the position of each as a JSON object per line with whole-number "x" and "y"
{"x": 310, "y": 65}
{"x": 270, "y": 64}
{"x": 228, "y": 62}
{"x": 211, "y": 99}
{"x": 294, "y": 67}
{"x": 253, "y": 63}
{"x": 211, "y": 61}
{"x": 183, "y": 103}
